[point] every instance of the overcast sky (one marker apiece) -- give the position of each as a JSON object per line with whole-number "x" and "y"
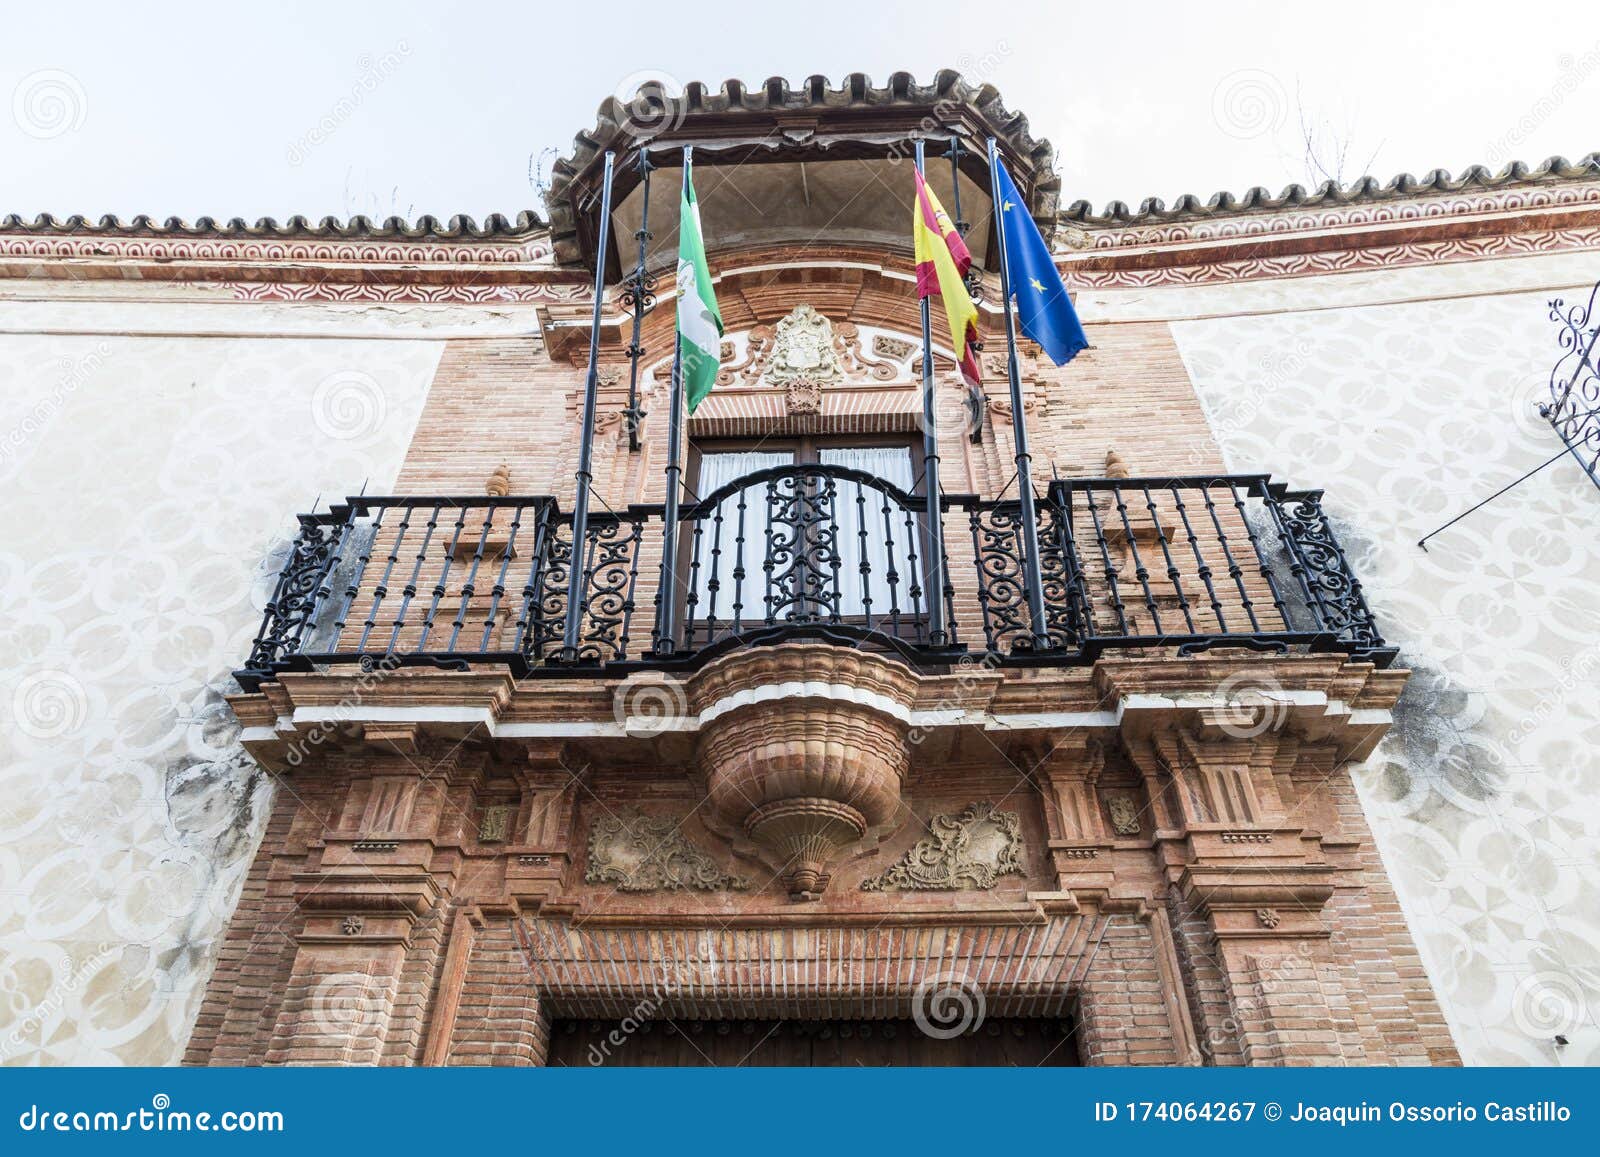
{"x": 402, "y": 107}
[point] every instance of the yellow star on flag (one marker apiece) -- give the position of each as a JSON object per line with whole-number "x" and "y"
{"x": 1036, "y": 283}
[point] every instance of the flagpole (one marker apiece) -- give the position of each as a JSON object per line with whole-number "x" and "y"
{"x": 667, "y": 608}
{"x": 1034, "y": 577}
{"x": 933, "y": 563}
{"x": 591, "y": 391}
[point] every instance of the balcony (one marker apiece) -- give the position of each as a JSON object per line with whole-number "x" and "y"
{"x": 815, "y": 552}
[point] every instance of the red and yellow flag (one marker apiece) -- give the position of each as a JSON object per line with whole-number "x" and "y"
{"x": 942, "y": 261}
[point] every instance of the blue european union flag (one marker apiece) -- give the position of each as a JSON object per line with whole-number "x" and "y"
{"x": 1043, "y": 308}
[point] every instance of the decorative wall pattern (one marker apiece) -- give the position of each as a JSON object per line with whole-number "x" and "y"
{"x": 149, "y": 481}
{"x": 1485, "y": 800}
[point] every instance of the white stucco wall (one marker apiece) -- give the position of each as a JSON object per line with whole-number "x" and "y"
{"x": 147, "y": 477}
{"x": 1485, "y": 800}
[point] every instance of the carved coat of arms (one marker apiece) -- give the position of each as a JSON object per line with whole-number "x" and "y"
{"x": 803, "y": 350}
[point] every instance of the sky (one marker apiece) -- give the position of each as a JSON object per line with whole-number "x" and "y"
{"x": 409, "y": 108}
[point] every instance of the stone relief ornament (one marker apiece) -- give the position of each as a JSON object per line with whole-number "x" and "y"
{"x": 496, "y": 818}
{"x": 1124, "y": 812}
{"x": 803, "y": 347}
{"x": 970, "y": 850}
{"x": 641, "y": 853}
{"x": 802, "y": 396}
{"x": 859, "y": 361}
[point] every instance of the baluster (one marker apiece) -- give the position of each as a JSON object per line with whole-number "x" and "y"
{"x": 1235, "y": 571}
{"x": 892, "y": 575}
{"x": 353, "y": 588}
{"x": 590, "y": 551}
{"x": 443, "y": 580}
{"x": 692, "y": 590}
{"x": 950, "y": 637}
{"x": 1080, "y": 609}
{"x": 381, "y": 591}
{"x": 866, "y": 565}
{"x": 914, "y": 587}
{"x": 1139, "y": 569}
{"x": 736, "y": 624}
{"x": 975, "y": 522}
{"x": 714, "y": 581}
{"x": 499, "y": 589}
{"x": 1113, "y": 593}
{"x": 324, "y": 590}
{"x": 766, "y": 563}
{"x": 409, "y": 591}
{"x": 827, "y": 549}
{"x": 471, "y": 585}
{"x": 545, "y": 547}
{"x": 1173, "y": 574}
{"x": 1204, "y": 568}
{"x": 621, "y": 650}
{"x": 1261, "y": 558}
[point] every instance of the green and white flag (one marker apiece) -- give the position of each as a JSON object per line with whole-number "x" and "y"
{"x": 699, "y": 320}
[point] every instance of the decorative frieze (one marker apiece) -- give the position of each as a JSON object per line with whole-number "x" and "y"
{"x": 642, "y": 853}
{"x": 971, "y": 849}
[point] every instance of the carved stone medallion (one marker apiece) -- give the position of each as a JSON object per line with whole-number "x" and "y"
{"x": 802, "y": 348}
{"x": 802, "y": 396}
{"x": 640, "y": 853}
{"x": 970, "y": 850}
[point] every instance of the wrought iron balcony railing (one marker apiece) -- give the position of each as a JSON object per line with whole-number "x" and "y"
{"x": 815, "y": 551}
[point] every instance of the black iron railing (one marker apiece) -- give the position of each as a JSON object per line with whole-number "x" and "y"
{"x": 820, "y": 552}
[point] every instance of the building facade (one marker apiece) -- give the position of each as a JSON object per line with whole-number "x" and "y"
{"x": 1271, "y": 787}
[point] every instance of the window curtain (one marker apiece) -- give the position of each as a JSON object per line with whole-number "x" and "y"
{"x": 892, "y": 464}
{"x": 716, "y": 471}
